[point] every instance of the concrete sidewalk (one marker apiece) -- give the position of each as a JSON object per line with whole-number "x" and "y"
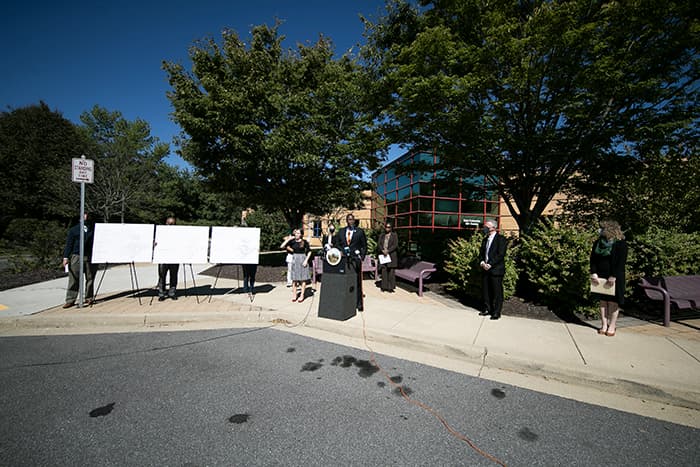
{"x": 645, "y": 368}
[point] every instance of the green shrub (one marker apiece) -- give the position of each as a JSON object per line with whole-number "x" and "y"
{"x": 35, "y": 243}
{"x": 273, "y": 228}
{"x": 555, "y": 262}
{"x": 465, "y": 275}
{"x": 663, "y": 252}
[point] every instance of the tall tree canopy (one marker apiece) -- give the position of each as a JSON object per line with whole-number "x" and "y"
{"x": 127, "y": 161}
{"x": 530, "y": 93}
{"x": 280, "y": 127}
{"x": 36, "y": 148}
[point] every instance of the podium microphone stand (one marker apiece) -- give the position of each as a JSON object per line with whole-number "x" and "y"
{"x": 339, "y": 287}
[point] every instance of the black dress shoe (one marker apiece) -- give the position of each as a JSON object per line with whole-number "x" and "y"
{"x": 161, "y": 299}
{"x": 484, "y": 313}
{"x": 498, "y": 316}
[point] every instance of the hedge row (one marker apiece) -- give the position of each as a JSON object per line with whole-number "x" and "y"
{"x": 553, "y": 263}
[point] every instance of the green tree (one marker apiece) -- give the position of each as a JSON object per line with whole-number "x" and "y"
{"x": 36, "y": 148}
{"x": 281, "y": 127}
{"x": 273, "y": 228}
{"x": 530, "y": 93}
{"x": 127, "y": 160}
{"x": 186, "y": 196}
{"x": 657, "y": 190}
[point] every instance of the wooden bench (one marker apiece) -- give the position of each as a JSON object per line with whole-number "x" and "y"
{"x": 682, "y": 291}
{"x": 413, "y": 270}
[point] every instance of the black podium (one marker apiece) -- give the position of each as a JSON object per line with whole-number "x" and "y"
{"x": 338, "y": 291}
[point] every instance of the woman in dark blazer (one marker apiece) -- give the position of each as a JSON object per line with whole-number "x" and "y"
{"x": 608, "y": 258}
{"x": 387, "y": 245}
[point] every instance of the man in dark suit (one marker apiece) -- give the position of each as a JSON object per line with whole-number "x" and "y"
{"x": 387, "y": 245}
{"x": 168, "y": 270}
{"x": 71, "y": 260}
{"x": 492, "y": 256}
{"x": 353, "y": 242}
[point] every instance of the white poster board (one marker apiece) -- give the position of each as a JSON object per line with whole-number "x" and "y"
{"x": 234, "y": 245}
{"x": 122, "y": 243}
{"x": 181, "y": 244}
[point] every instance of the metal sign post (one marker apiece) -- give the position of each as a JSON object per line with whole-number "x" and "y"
{"x": 83, "y": 172}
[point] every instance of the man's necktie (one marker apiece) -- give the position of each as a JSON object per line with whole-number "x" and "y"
{"x": 349, "y": 236}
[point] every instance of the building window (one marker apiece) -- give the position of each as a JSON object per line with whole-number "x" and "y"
{"x": 317, "y": 229}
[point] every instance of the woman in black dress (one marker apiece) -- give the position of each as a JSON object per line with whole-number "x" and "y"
{"x": 608, "y": 258}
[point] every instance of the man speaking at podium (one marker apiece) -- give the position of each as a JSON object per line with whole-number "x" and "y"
{"x": 353, "y": 243}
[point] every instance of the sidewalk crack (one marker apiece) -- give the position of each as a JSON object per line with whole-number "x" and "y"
{"x": 575, "y": 344}
{"x": 681, "y": 347}
{"x": 483, "y": 361}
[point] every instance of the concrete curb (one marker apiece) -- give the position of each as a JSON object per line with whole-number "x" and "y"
{"x": 250, "y": 315}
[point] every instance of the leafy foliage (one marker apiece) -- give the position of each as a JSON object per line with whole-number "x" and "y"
{"x": 186, "y": 196}
{"x": 664, "y": 252}
{"x": 465, "y": 275}
{"x": 532, "y": 93}
{"x": 658, "y": 190}
{"x": 281, "y": 128}
{"x": 35, "y": 243}
{"x": 273, "y": 228}
{"x": 36, "y": 148}
{"x": 555, "y": 262}
{"x": 127, "y": 159}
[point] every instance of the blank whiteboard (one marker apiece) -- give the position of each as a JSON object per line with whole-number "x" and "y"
{"x": 186, "y": 244}
{"x": 234, "y": 245}
{"x": 122, "y": 243}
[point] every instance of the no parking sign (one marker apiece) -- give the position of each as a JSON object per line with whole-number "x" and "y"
{"x": 83, "y": 170}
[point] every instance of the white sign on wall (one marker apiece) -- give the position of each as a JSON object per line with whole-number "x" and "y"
{"x": 181, "y": 244}
{"x": 234, "y": 245}
{"x": 122, "y": 243}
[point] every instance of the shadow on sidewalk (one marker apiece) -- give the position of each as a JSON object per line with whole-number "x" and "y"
{"x": 202, "y": 291}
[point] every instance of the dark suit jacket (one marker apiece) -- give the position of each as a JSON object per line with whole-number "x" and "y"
{"x": 358, "y": 241}
{"x": 393, "y": 246}
{"x": 497, "y": 255}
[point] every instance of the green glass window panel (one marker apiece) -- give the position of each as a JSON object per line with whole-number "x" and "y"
{"x": 492, "y": 208}
{"x": 404, "y": 193}
{"x": 447, "y": 191}
{"x": 477, "y": 180}
{"x": 403, "y": 206}
{"x": 446, "y": 220}
{"x": 425, "y": 189}
{"x": 390, "y": 196}
{"x": 477, "y": 195}
{"x": 404, "y": 180}
{"x": 381, "y": 189}
{"x": 425, "y": 219}
{"x": 474, "y": 207}
{"x": 448, "y": 205}
{"x": 390, "y": 174}
{"x": 402, "y": 221}
{"x": 424, "y": 176}
{"x": 492, "y": 195}
{"x": 424, "y": 157}
{"x": 425, "y": 204}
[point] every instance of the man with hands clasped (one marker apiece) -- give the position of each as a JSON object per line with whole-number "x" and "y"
{"x": 492, "y": 256}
